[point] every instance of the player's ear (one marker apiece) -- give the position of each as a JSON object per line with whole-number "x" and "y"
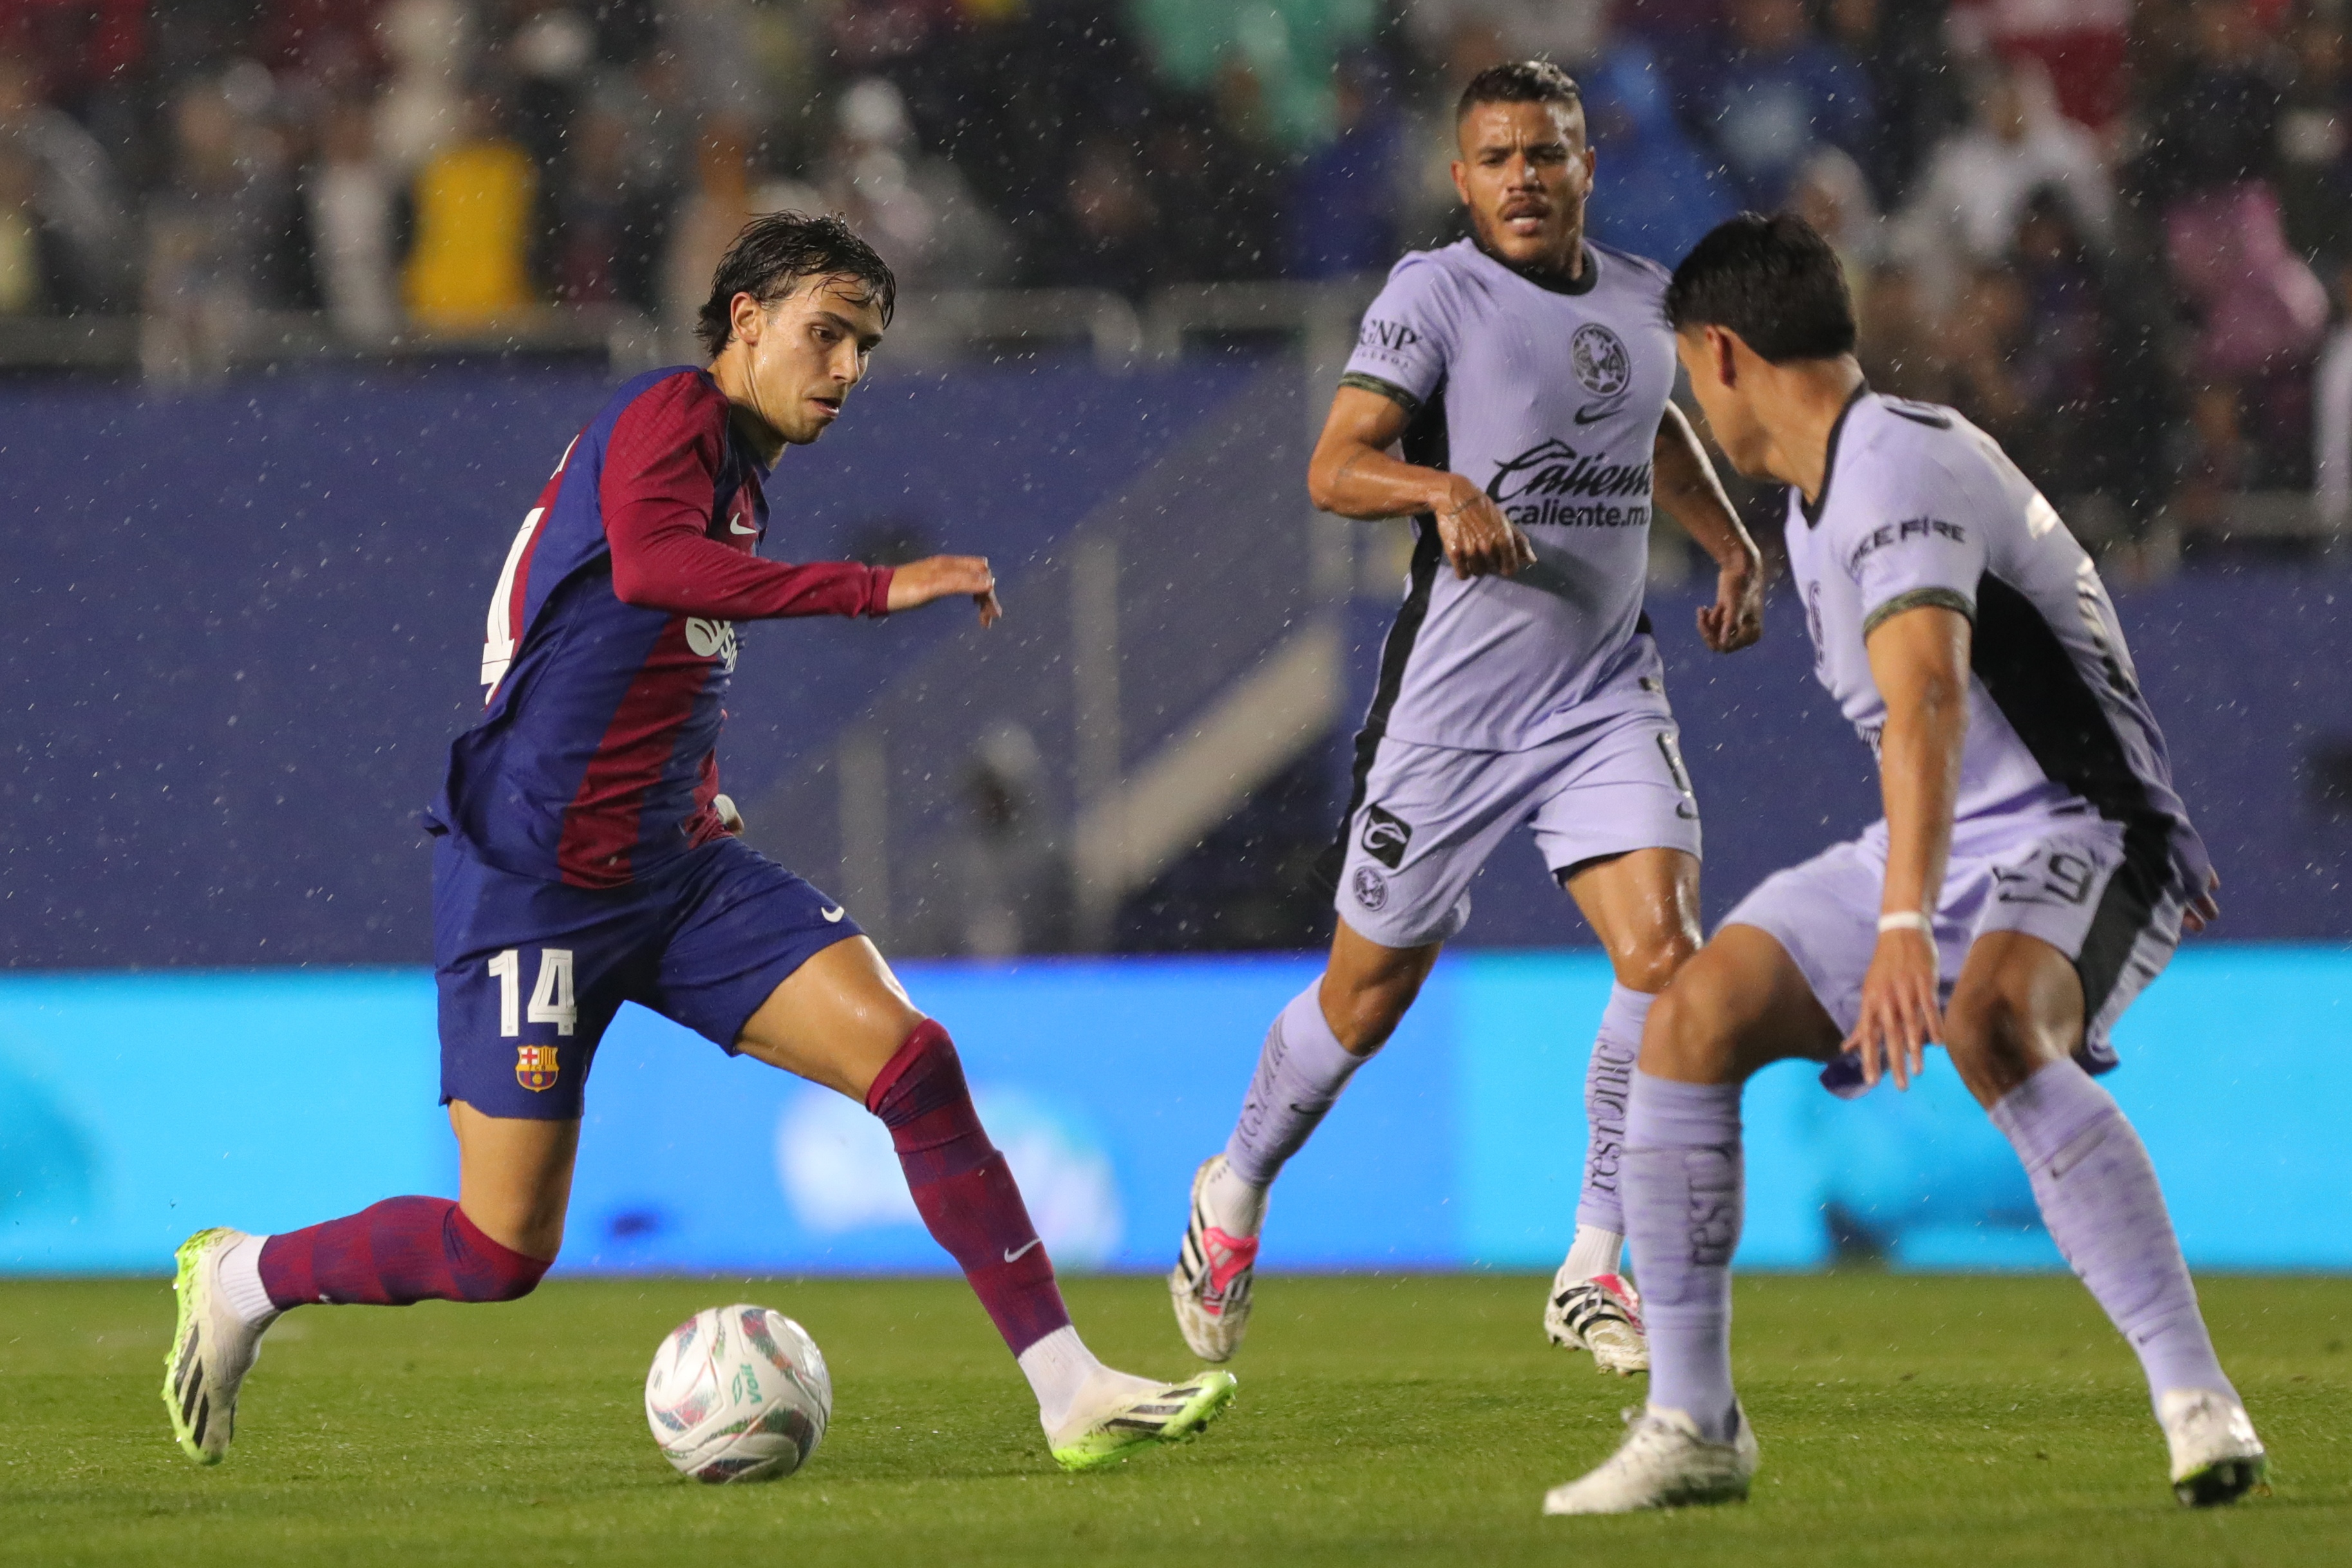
{"x": 746, "y": 314}
{"x": 1723, "y": 349}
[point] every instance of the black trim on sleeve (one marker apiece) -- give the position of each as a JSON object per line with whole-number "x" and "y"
{"x": 1389, "y": 390}
{"x": 1942, "y": 598}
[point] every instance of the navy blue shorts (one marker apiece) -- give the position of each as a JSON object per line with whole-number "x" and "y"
{"x": 531, "y": 972}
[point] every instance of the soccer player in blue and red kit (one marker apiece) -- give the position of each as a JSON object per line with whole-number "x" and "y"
{"x": 585, "y": 857}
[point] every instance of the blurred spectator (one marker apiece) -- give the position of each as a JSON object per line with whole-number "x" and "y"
{"x": 916, "y": 210}
{"x": 2215, "y": 124}
{"x": 547, "y": 59}
{"x": 209, "y": 232}
{"x": 71, "y": 199}
{"x": 1967, "y": 208}
{"x": 2315, "y": 177}
{"x": 592, "y": 211}
{"x": 1776, "y": 95}
{"x": 1897, "y": 347}
{"x": 1656, "y": 191}
{"x": 1981, "y": 341}
{"x": 1224, "y": 195}
{"x": 1344, "y": 195}
{"x": 706, "y": 223}
{"x": 1900, "y": 46}
{"x": 1433, "y": 214}
{"x": 1832, "y": 195}
{"x": 350, "y": 201}
{"x": 1286, "y": 47}
{"x": 430, "y": 45}
{"x": 2259, "y": 308}
{"x": 1109, "y": 221}
{"x": 1016, "y": 888}
{"x": 333, "y": 43}
{"x": 25, "y": 274}
{"x": 2063, "y": 359}
{"x": 468, "y": 264}
{"x": 2331, "y": 436}
{"x": 2080, "y": 45}
{"x": 1565, "y": 32}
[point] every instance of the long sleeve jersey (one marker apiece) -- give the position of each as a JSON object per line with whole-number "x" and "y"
{"x": 611, "y": 641}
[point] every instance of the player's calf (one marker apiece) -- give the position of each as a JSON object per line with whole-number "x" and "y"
{"x": 1093, "y": 1416}
{"x": 231, "y": 1286}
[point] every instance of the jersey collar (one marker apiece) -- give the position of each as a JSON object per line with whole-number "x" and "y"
{"x": 1549, "y": 282}
{"x": 1812, "y": 508}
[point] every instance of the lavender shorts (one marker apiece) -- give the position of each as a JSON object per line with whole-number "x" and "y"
{"x": 2099, "y": 895}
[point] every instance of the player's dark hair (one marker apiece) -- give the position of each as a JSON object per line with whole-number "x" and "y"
{"x": 1519, "y": 81}
{"x": 1775, "y": 281}
{"x": 774, "y": 253}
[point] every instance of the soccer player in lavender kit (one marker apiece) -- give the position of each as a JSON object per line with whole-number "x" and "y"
{"x": 2032, "y": 873}
{"x": 1525, "y": 372}
{"x": 584, "y": 858}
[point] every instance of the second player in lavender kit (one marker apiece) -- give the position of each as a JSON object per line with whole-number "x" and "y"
{"x": 1523, "y": 376}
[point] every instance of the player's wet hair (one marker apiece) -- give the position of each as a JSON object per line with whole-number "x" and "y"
{"x": 774, "y": 253}
{"x": 1775, "y": 281}
{"x": 1519, "y": 81}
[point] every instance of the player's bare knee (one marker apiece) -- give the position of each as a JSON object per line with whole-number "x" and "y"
{"x": 1652, "y": 965}
{"x": 1689, "y": 1037}
{"x": 1995, "y": 1041}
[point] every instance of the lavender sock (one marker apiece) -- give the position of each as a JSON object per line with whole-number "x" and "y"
{"x": 1300, "y": 1070}
{"x": 2099, "y": 1196}
{"x": 1608, "y": 1077}
{"x": 1682, "y": 1193}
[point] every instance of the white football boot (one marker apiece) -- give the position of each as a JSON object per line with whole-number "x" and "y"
{"x": 212, "y": 1347}
{"x": 1601, "y": 1313}
{"x": 1663, "y": 1463}
{"x": 2216, "y": 1457}
{"x": 1210, "y": 1285}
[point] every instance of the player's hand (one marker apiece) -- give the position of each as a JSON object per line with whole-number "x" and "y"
{"x": 1735, "y": 619}
{"x": 1899, "y": 1015}
{"x": 919, "y": 582}
{"x": 1479, "y": 540}
{"x": 2204, "y": 909}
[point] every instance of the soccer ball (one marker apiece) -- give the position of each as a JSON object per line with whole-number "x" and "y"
{"x": 738, "y": 1393}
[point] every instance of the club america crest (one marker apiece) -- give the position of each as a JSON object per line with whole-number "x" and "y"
{"x": 535, "y": 1066}
{"x": 1599, "y": 360}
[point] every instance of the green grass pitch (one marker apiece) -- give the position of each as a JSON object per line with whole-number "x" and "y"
{"x": 1381, "y": 1420}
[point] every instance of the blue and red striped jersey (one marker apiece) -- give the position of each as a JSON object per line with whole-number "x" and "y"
{"x": 611, "y": 640}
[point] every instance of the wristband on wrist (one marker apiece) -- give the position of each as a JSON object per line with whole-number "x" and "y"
{"x": 1906, "y": 920}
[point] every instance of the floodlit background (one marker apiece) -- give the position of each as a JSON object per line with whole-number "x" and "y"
{"x": 300, "y": 300}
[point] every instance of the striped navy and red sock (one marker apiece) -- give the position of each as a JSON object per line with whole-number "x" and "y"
{"x": 963, "y": 1189}
{"x": 400, "y": 1250}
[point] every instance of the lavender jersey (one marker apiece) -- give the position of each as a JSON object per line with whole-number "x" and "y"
{"x": 1918, "y": 507}
{"x": 1550, "y": 398}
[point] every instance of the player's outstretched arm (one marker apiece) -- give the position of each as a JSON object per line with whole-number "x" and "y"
{"x": 1919, "y": 661}
{"x": 918, "y": 583}
{"x": 1688, "y": 488}
{"x": 1351, "y": 473}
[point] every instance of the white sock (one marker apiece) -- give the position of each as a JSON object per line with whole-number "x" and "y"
{"x": 239, "y": 1274}
{"x": 1069, "y": 1380}
{"x": 1594, "y": 1252}
{"x": 1234, "y": 1207}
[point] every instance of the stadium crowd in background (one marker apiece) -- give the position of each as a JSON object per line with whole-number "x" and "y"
{"x": 2106, "y": 230}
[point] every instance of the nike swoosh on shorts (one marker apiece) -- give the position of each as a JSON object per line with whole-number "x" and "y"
{"x": 735, "y": 526}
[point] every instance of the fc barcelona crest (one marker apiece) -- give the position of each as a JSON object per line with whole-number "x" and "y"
{"x": 535, "y": 1066}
